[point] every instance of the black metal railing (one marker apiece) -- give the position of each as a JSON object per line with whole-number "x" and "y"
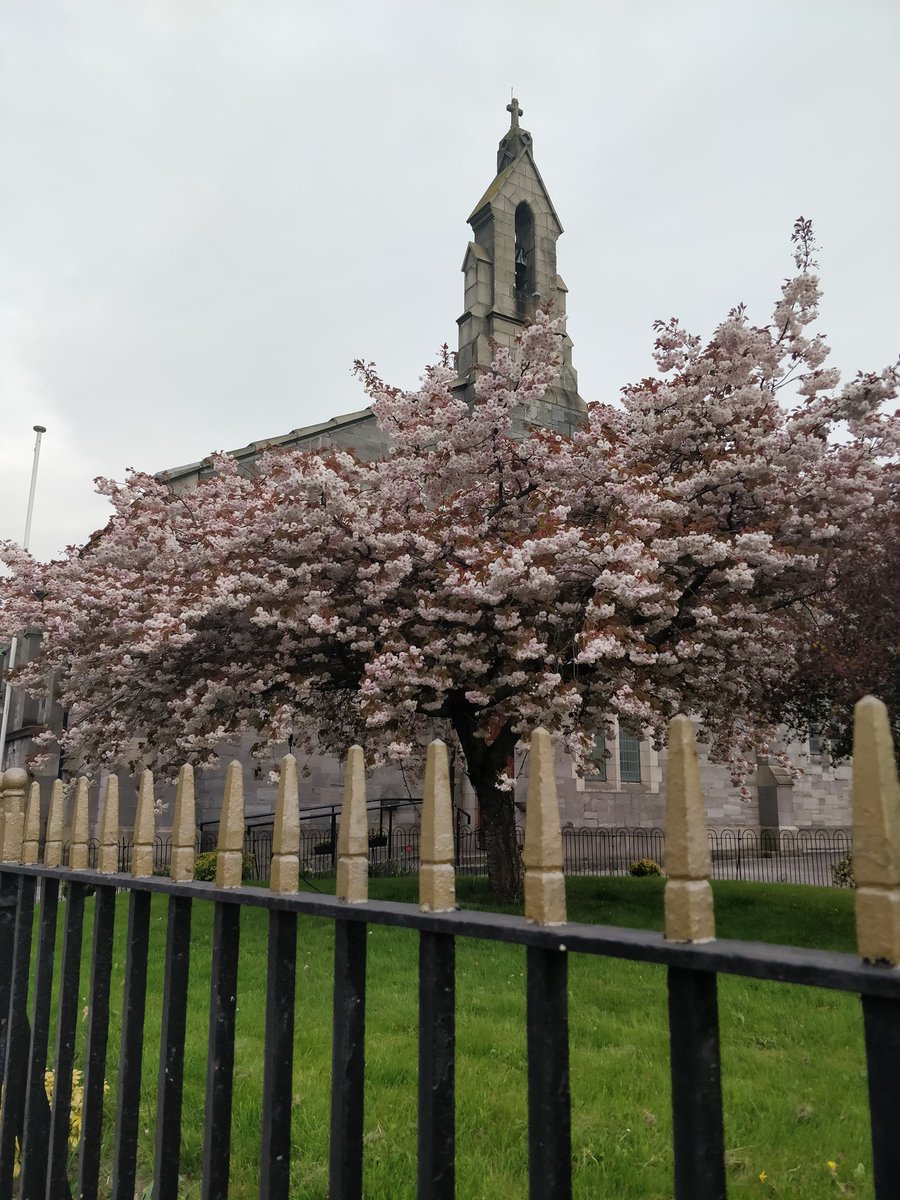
{"x": 41, "y": 1129}
{"x": 761, "y": 855}
{"x": 757, "y": 855}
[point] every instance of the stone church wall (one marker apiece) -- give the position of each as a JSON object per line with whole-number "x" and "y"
{"x": 819, "y": 798}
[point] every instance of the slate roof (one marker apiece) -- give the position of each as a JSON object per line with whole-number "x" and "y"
{"x": 295, "y": 437}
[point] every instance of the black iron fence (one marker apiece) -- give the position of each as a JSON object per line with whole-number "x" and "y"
{"x": 35, "y": 1133}
{"x": 41, "y": 985}
{"x": 761, "y": 855}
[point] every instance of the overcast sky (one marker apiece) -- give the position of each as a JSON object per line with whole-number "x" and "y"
{"x": 209, "y": 209}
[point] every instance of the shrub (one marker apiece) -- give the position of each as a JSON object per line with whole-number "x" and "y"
{"x": 205, "y": 866}
{"x": 842, "y": 872}
{"x": 645, "y": 866}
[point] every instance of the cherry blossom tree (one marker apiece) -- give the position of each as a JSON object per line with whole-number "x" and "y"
{"x": 849, "y": 643}
{"x": 478, "y": 584}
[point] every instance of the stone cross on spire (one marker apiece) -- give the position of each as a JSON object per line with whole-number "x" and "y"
{"x": 515, "y": 140}
{"x": 515, "y": 112}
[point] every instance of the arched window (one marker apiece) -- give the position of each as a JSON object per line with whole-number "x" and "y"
{"x": 524, "y": 252}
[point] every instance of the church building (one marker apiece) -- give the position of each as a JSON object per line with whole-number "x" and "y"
{"x": 509, "y": 270}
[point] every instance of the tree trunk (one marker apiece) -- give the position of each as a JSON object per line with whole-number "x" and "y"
{"x": 486, "y": 763}
{"x": 504, "y": 862}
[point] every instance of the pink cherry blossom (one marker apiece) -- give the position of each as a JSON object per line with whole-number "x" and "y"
{"x": 477, "y": 584}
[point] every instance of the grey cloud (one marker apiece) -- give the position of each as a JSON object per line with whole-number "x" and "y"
{"x": 208, "y": 211}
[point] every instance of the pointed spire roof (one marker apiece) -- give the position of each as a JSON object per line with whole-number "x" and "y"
{"x": 514, "y": 145}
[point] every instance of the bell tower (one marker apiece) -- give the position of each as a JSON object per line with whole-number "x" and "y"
{"x": 510, "y": 271}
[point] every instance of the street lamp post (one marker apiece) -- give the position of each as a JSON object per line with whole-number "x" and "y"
{"x": 40, "y": 430}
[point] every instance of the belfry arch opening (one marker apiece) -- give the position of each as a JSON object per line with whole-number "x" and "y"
{"x": 524, "y": 255}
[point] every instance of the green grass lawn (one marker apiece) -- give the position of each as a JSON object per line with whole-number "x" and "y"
{"x": 793, "y": 1062}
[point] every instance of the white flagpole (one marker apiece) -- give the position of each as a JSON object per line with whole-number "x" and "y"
{"x": 7, "y": 694}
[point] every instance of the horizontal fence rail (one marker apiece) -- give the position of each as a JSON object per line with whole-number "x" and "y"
{"x": 41, "y": 981}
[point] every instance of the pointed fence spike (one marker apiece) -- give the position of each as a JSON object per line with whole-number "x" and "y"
{"x": 284, "y": 873}
{"x": 437, "y": 877}
{"x": 184, "y": 828}
{"x": 230, "y": 857}
{"x": 144, "y": 828}
{"x": 876, "y": 834}
{"x": 688, "y": 896}
{"x": 108, "y": 854}
{"x": 353, "y": 833}
{"x": 31, "y": 845}
{"x": 15, "y": 781}
{"x": 53, "y": 844}
{"x": 78, "y": 836}
{"x": 545, "y": 884}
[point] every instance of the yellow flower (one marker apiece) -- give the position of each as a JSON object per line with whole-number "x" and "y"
{"x": 763, "y": 1177}
{"x": 831, "y": 1165}
{"x": 76, "y": 1103}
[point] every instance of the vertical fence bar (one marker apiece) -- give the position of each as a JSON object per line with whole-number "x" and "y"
{"x": 348, "y": 1040}
{"x": 98, "y": 1005}
{"x": 170, "y": 1087}
{"x": 67, "y": 1012}
{"x": 876, "y": 865}
{"x": 220, "y": 1063}
{"x": 10, "y": 783}
{"x": 549, "y": 1104}
{"x": 698, "y": 1133}
{"x": 223, "y": 993}
{"x": 437, "y": 987}
{"x": 36, "y": 1125}
{"x": 12, "y": 797}
{"x": 131, "y": 1045}
{"x": 97, "y": 1043}
{"x": 16, "y": 1057}
{"x": 167, "y": 1150}
{"x": 275, "y": 1158}
{"x": 881, "y": 1021}
{"x": 17, "y": 1038}
{"x": 278, "y": 1064}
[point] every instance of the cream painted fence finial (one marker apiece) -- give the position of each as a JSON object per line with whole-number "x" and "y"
{"x": 78, "y": 835}
{"x": 437, "y": 878}
{"x": 284, "y": 872}
{"x": 353, "y": 834}
{"x": 108, "y": 854}
{"x": 53, "y": 843}
{"x": 31, "y": 844}
{"x": 144, "y": 828}
{"x": 184, "y": 828}
{"x": 876, "y": 834}
{"x": 545, "y": 885}
{"x": 230, "y": 859}
{"x": 15, "y": 781}
{"x": 688, "y": 896}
